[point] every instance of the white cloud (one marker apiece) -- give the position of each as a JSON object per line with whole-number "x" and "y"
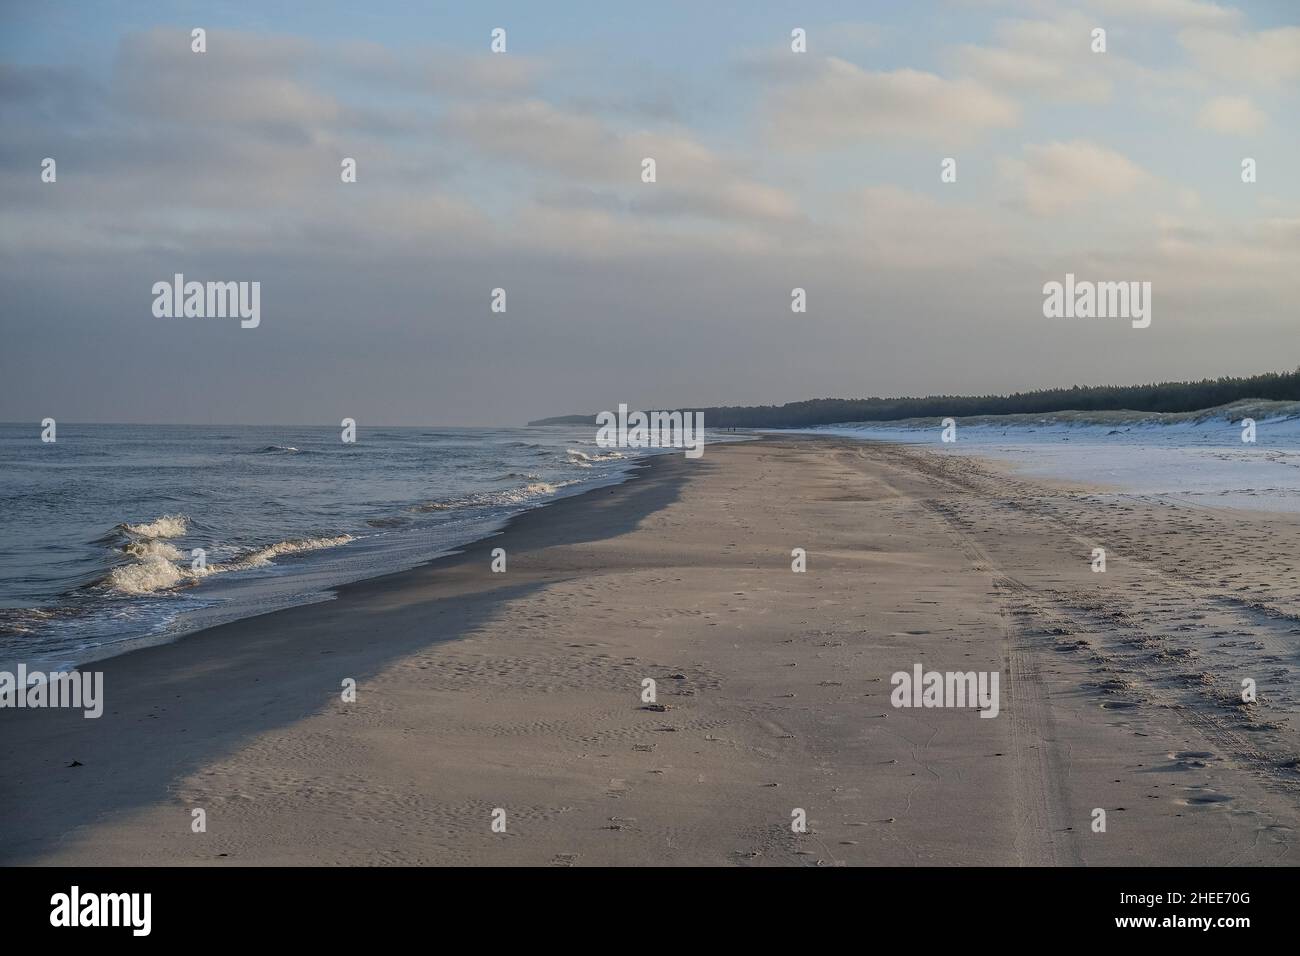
{"x": 1233, "y": 115}
{"x": 243, "y": 79}
{"x": 538, "y": 134}
{"x": 835, "y": 103}
{"x": 1057, "y": 176}
{"x": 1268, "y": 58}
{"x": 1052, "y": 59}
{"x": 691, "y": 179}
{"x": 1188, "y": 12}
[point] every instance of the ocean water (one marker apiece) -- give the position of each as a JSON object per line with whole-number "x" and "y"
{"x": 97, "y": 530}
{"x": 1185, "y": 459}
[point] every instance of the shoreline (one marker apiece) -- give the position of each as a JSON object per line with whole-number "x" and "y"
{"x": 221, "y": 599}
{"x": 190, "y": 657}
{"x": 521, "y": 691}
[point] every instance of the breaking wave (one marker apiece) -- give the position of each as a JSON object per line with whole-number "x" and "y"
{"x": 160, "y": 566}
{"x": 153, "y": 549}
{"x": 168, "y": 526}
{"x": 153, "y": 573}
{"x": 262, "y": 557}
{"x": 583, "y": 460}
{"x": 513, "y": 496}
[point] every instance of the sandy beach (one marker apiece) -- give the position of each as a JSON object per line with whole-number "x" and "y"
{"x": 523, "y": 690}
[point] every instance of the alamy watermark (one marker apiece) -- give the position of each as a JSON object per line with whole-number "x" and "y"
{"x": 922, "y": 688}
{"x": 75, "y": 908}
{"x": 1084, "y": 299}
{"x": 208, "y": 300}
{"x": 82, "y": 690}
{"x": 651, "y": 430}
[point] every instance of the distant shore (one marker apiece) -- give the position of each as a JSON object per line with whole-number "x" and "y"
{"x": 518, "y": 697}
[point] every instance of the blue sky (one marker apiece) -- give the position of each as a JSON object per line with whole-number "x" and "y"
{"x": 521, "y": 170}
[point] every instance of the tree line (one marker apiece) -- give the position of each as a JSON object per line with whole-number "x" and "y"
{"x": 1155, "y": 397}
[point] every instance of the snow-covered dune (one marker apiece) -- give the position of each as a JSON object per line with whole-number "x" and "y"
{"x": 1198, "y": 457}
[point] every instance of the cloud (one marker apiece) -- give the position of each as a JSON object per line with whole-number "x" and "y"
{"x": 1258, "y": 253}
{"x": 1232, "y": 115}
{"x": 287, "y": 84}
{"x": 440, "y": 70}
{"x": 833, "y": 102}
{"x": 1189, "y": 12}
{"x": 691, "y": 179}
{"x": 475, "y": 174}
{"x": 1047, "y": 59}
{"x": 243, "y": 78}
{"x": 1057, "y": 176}
{"x": 535, "y": 133}
{"x": 47, "y": 94}
{"x": 897, "y": 228}
{"x": 1268, "y": 58}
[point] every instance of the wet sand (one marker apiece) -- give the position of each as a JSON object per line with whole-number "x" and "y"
{"x": 522, "y": 690}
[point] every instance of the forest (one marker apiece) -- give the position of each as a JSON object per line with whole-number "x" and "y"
{"x": 1156, "y": 397}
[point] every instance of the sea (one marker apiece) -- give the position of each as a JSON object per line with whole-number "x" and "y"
{"x": 102, "y": 530}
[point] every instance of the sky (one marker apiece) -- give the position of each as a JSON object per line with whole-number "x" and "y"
{"x": 522, "y": 170}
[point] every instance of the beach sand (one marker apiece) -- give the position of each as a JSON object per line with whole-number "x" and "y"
{"x": 522, "y": 690}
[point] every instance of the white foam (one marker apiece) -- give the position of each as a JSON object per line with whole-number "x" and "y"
{"x": 151, "y": 548}
{"x": 583, "y": 460}
{"x": 160, "y": 566}
{"x": 262, "y": 557}
{"x": 512, "y": 496}
{"x": 168, "y": 526}
{"x": 154, "y": 573}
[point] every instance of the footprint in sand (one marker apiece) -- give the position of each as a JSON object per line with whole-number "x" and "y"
{"x": 1203, "y": 797}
